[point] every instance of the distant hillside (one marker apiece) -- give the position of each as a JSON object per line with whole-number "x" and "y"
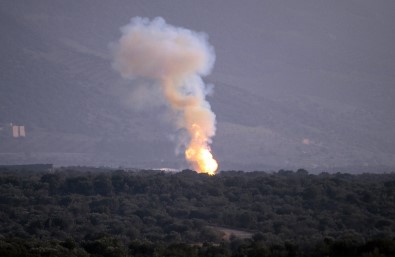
{"x": 288, "y": 94}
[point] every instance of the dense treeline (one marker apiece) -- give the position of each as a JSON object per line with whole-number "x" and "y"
{"x": 84, "y": 212}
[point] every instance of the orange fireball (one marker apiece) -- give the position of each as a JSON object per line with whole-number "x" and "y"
{"x": 198, "y": 153}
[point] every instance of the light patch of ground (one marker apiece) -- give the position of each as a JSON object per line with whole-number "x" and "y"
{"x": 227, "y": 233}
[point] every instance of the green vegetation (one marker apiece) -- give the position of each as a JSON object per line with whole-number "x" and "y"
{"x": 91, "y": 212}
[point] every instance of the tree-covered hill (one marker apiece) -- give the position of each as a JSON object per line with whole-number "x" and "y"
{"x": 76, "y": 212}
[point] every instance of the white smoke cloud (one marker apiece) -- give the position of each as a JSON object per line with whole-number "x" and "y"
{"x": 176, "y": 58}
{"x": 154, "y": 49}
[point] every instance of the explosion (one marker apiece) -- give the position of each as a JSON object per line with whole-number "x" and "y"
{"x": 177, "y": 58}
{"x": 198, "y": 152}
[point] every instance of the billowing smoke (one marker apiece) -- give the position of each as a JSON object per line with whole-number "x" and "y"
{"x": 176, "y": 58}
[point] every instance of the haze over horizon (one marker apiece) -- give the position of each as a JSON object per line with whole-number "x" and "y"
{"x": 306, "y": 84}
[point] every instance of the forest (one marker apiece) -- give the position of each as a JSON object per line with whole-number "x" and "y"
{"x": 84, "y": 211}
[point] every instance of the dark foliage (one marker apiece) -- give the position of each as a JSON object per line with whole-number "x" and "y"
{"x": 150, "y": 213}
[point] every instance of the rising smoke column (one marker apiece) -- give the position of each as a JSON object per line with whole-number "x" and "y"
{"x": 176, "y": 58}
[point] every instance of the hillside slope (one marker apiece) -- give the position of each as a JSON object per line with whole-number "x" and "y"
{"x": 287, "y": 93}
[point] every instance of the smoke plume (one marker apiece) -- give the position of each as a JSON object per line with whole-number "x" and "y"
{"x": 176, "y": 58}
